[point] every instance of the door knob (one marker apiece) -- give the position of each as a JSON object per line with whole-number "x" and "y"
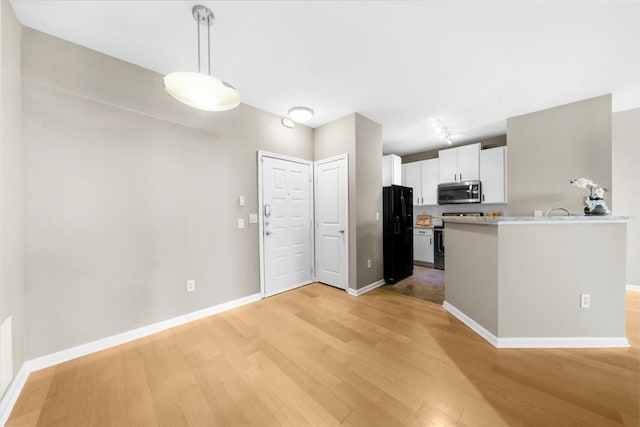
{"x": 268, "y": 233}
{"x": 341, "y": 231}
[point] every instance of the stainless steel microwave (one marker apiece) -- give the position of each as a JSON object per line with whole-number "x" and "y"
{"x": 459, "y": 192}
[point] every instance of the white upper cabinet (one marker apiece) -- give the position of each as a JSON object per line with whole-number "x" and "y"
{"x": 413, "y": 179}
{"x": 460, "y": 163}
{"x": 423, "y": 178}
{"x": 493, "y": 170}
{"x": 448, "y": 165}
{"x": 391, "y": 170}
{"x": 430, "y": 180}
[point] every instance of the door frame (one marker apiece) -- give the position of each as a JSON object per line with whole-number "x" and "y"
{"x": 260, "y": 157}
{"x": 344, "y": 157}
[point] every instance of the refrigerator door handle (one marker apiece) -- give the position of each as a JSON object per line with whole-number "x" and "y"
{"x": 404, "y": 211}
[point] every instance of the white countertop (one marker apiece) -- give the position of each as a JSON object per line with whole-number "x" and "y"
{"x": 556, "y": 219}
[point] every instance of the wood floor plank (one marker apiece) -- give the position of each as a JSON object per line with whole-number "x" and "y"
{"x": 317, "y": 356}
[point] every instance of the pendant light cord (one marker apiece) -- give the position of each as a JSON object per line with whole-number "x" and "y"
{"x": 198, "y": 23}
{"x": 198, "y": 28}
{"x": 209, "y": 41}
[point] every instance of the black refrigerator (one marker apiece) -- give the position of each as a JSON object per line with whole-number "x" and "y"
{"x": 397, "y": 232}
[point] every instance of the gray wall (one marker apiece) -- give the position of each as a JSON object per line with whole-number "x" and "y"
{"x": 495, "y": 141}
{"x": 548, "y": 148}
{"x": 368, "y": 200}
{"x": 130, "y": 193}
{"x": 471, "y": 275}
{"x": 541, "y": 282}
{"x": 12, "y": 286}
{"x": 361, "y": 139}
{"x": 533, "y": 290}
{"x": 626, "y": 182}
{"x": 333, "y": 139}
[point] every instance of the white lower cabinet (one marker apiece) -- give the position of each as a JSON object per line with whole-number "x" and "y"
{"x": 423, "y": 245}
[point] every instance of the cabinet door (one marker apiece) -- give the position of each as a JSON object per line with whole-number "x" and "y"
{"x": 387, "y": 170}
{"x": 429, "y": 257}
{"x": 420, "y": 246}
{"x": 430, "y": 181}
{"x": 412, "y": 176}
{"x": 391, "y": 170}
{"x": 492, "y": 175}
{"x": 468, "y": 162}
{"x": 448, "y": 165}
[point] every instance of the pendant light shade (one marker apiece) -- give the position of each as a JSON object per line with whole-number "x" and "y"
{"x": 199, "y": 90}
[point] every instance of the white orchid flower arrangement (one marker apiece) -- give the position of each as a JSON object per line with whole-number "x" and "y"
{"x": 596, "y": 192}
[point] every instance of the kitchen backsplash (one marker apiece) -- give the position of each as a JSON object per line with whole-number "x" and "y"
{"x": 466, "y": 207}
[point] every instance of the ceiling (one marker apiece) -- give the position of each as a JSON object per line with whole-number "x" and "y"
{"x": 402, "y": 64}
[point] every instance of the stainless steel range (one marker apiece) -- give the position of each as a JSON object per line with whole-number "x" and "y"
{"x": 438, "y": 237}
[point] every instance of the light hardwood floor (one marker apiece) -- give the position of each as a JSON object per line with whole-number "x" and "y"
{"x": 317, "y": 356}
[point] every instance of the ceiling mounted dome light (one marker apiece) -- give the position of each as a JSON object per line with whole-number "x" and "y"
{"x": 300, "y": 114}
{"x": 199, "y": 90}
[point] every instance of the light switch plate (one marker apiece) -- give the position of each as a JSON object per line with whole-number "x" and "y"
{"x": 241, "y": 201}
{"x": 253, "y": 218}
{"x": 240, "y": 222}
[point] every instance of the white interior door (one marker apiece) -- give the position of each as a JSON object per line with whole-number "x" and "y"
{"x": 286, "y": 224}
{"x": 332, "y": 219}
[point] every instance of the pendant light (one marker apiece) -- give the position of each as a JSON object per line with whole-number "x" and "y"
{"x": 199, "y": 90}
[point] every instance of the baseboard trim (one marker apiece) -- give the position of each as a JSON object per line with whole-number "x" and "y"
{"x": 11, "y": 394}
{"x": 475, "y": 326}
{"x": 537, "y": 342}
{"x": 15, "y": 388}
{"x": 564, "y": 342}
{"x": 635, "y": 288}
{"x": 364, "y": 290}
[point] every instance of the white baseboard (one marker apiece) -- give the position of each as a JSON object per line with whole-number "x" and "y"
{"x": 564, "y": 342}
{"x": 635, "y": 288}
{"x": 537, "y": 342}
{"x": 475, "y": 326}
{"x": 15, "y": 388}
{"x": 13, "y": 391}
{"x": 364, "y": 290}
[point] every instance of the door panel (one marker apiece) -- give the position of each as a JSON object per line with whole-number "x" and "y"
{"x": 331, "y": 210}
{"x": 286, "y": 197}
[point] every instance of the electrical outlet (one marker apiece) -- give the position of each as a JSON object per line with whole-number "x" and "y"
{"x": 368, "y": 263}
{"x": 585, "y": 300}
{"x": 377, "y": 216}
{"x": 191, "y": 285}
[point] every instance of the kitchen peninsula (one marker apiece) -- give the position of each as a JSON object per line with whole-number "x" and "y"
{"x": 525, "y": 281}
